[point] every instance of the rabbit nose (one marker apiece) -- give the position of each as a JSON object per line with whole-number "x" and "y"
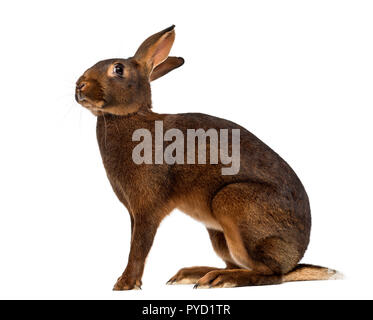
{"x": 81, "y": 85}
{"x": 79, "y": 96}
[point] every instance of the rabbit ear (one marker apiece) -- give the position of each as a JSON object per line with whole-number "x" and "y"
{"x": 154, "y": 50}
{"x": 165, "y": 67}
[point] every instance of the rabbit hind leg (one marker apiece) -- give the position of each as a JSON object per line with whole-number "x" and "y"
{"x": 261, "y": 254}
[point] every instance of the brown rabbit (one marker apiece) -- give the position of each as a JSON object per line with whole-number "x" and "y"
{"x": 258, "y": 219}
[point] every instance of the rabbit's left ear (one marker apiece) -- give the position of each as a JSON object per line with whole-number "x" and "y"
{"x": 165, "y": 67}
{"x": 154, "y": 50}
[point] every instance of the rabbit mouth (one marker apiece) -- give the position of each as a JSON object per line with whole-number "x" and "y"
{"x": 92, "y": 105}
{"x": 83, "y": 98}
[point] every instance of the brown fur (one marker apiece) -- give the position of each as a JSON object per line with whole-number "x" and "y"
{"x": 258, "y": 220}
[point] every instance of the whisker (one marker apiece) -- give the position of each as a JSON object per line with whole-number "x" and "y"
{"x": 80, "y": 120}
{"x": 116, "y": 125}
{"x": 68, "y": 111}
{"x": 104, "y": 127}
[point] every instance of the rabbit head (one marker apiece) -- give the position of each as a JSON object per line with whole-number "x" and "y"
{"x": 122, "y": 86}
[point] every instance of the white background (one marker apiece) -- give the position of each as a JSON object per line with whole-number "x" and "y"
{"x": 298, "y": 74}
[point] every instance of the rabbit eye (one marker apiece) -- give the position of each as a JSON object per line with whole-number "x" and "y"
{"x": 118, "y": 69}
